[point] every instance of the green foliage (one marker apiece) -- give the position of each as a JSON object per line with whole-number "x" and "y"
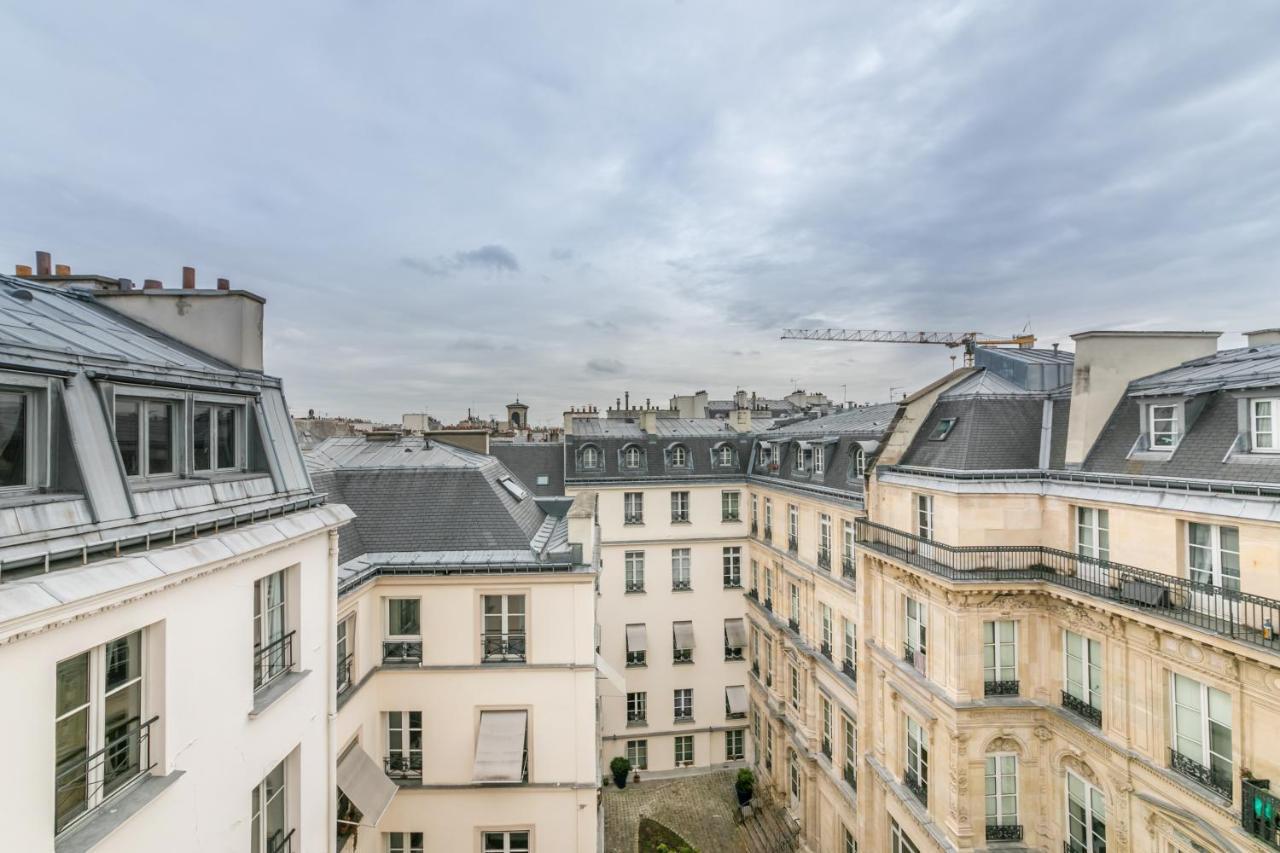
{"x": 620, "y": 766}
{"x": 746, "y": 781}
{"x": 656, "y": 838}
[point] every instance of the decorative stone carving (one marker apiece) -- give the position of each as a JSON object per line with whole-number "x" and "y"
{"x": 1072, "y": 760}
{"x": 1005, "y": 744}
{"x": 1043, "y": 734}
{"x": 1191, "y": 651}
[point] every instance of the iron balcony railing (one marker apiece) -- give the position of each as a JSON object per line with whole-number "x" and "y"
{"x": 755, "y": 668}
{"x": 682, "y": 655}
{"x": 502, "y": 648}
{"x": 825, "y": 649}
{"x": 281, "y": 843}
{"x": 681, "y": 715}
{"x": 768, "y": 604}
{"x": 917, "y": 786}
{"x": 636, "y": 658}
{"x": 794, "y": 624}
{"x": 272, "y": 660}
{"x": 1004, "y": 832}
{"x": 826, "y": 747}
{"x": 634, "y": 586}
{"x": 846, "y": 666}
{"x": 755, "y": 528}
{"x": 1213, "y": 778}
{"x": 846, "y": 567}
{"x": 344, "y": 671}
{"x": 733, "y": 653}
{"x": 824, "y": 558}
{"x": 768, "y": 533}
{"x": 753, "y": 593}
{"x": 403, "y": 766}
{"x": 679, "y": 517}
{"x": 633, "y": 518}
{"x": 402, "y": 651}
{"x": 1081, "y": 708}
{"x": 1244, "y": 617}
{"x": 1000, "y": 688}
{"x": 792, "y": 545}
{"x": 82, "y": 784}
{"x": 851, "y": 777}
{"x": 679, "y": 586}
{"x": 1260, "y": 811}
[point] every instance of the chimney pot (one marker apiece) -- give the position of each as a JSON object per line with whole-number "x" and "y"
{"x": 152, "y": 284}
{"x": 63, "y": 269}
{"x": 125, "y": 283}
{"x": 188, "y": 278}
{"x": 21, "y": 269}
{"x": 224, "y": 284}
{"x": 44, "y": 263}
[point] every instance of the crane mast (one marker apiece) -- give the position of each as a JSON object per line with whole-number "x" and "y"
{"x": 969, "y": 340}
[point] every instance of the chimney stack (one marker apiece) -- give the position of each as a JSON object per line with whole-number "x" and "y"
{"x": 188, "y": 278}
{"x": 63, "y": 269}
{"x": 224, "y": 284}
{"x": 1263, "y": 337}
{"x": 152, "y": 284}
{"x": 21, "y": 270}
{"x": 44, "y": 263}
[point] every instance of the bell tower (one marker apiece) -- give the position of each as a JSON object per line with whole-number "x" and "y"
{"x": 517, "y": 415}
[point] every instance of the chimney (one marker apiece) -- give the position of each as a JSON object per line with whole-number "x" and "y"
{"x": 740, "y": 420}
{"x": 1106, "y": 362}
{"x": 224, "y": 284}
{"x": 21, "y": 270}
{"x": 649, "y": 420}
{"x": 152, "y": 284}
{"x": 1263, "y": 337}
{"x": 188, "y": 278}
{"x": 627, "y": 396}
{"x": 62, "y": 269}
{"x": 44, "y": 263}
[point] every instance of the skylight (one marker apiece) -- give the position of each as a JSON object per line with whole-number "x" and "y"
{"x": 943, "y": 429}
{"x": 517, "y": 491}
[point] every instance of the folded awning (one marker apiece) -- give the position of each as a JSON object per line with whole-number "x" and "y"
{"x": 736, "y": 698}
{"x": 637, "y": 638}
{"x": 735, "y": 633}
{"x": 684, "y": 634}
{"x": 500, "y": 747}
{"x": 608, "y": 674}
{"x": 365, "y": 785}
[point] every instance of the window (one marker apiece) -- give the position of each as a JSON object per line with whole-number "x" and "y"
{"x": 145, "y": 433}
{"x": 768, "y": 585}
{"x": 631, "y": 456}
{"x": 269, "y": 807}
{"x": 755, "y": 577}
{"x": 824, "y": 540}
{"x": 589, "y": 457}
{"x": 819, "y": 459}
{"x": 850, "y": 846}
{"x": 847, "y": 566}
{"x": 768, "y": 517}
{"x": 1265, "y": 425}
{"x": 101, "y": 739}
{"x": 999, "y": 651}
{"x": 505, "y": 842}
{"x": 795, "y": 685}
{"x": 637, "y": 645}
{"x": 850, "y": 733}
{"x": 826, "y": 629}
{"x": 732, "y": 564}
{"x": 272, "y": 647}
{"x": 1202, "y": 733}
{"x": 633, "y": 508}
{"x": 504, "y": 636}
{"x": 404, "y": 744}
{"x": 513, "y": 488}
{"x": 633, "y": 569}
{"x": 403, "y": 642}
{"x": 793, "y": 777}
{"x": 404, "y": 842}
{"x": 1163, "y": 427}
{"x": 795, "y": 603}
{"x": 684, "y": 750}
{"x": 1086, "y": 817}
{"x": 917, "y": 761}
{"x": 679, "y": 506}
{"x": 16, "y": 451}
{"x": 898, "y": 840}
{"x": 766, "y": 454}
{"x": 682, "y": 642}
{"x": 859, "y": 462}
{"x": 638, "y": 754}
{"x": 734, "y": 745}
{"x": 768, "y": 746}
{"x": 679, "y": 456}
{"x": 799, "y": 457}
{"x": 1001, "y": 790}
{"x": 793, "y": 525}
{"x": 850, "y": 645}
{"x": 637, "y": 707}
{"x": 1093, "y": 533}
{"x": 724, "y": 455}
{"x": 924, "y": 516}
{"x": 684, "y": 703}
{"x": 345, "y": 649}
{"x": 680, "y": 568}
{"x": 215, "y": 437}
{"x": 917, "y": 628}
{"x": 826, "y": 725}
{"x": 1213, "y": 555}
{"x": 768, "y": 663}
{"x": 729, "y": 506}
{"x": 1083, "y": 676}
{"x": 755, "y": 514}
{"x": 942, "y": 429}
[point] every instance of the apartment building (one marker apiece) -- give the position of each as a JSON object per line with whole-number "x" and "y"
{"x": 466, "y": 678}
{"x": 166, "y": 580}
{"x": 1069, "y": 601}
{"x": 673, "y": 532}
{"x": 805, "y": 495}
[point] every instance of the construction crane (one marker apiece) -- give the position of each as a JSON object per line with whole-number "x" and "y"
{"x": 970, "y": 341}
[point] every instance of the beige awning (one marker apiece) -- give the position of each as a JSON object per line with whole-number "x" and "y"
{"x": 684, "y": 634}
{"x": 637, "y": 639}
{"x": 735, "y": 633}
{"x": 736, "y": 698}
{"x": 365, "y": 785}
{"x": 500, "y": 747}
{"x": 609, "y": 675}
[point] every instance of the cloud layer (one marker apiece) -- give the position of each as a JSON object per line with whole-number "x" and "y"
{"x": 447, "y": 205}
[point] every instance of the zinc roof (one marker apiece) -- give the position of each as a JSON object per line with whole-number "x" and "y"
{"x": 1247, "y": 367}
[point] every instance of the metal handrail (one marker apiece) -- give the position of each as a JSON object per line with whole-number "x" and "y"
{"x": 272, "y": 660}
{"x": 344, "y": 671}
{"x": 283, "y": 844}
{"x": 123, "y": 759}
{"x": 402, "y": 651}
{"x": 403, "y": 766}
{"x": 498, "y": 646}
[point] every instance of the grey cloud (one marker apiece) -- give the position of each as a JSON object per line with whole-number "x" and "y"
{"x": 605, "y": 366}
{"x": 562, "y": 254}
{"x": 491, "y": 258}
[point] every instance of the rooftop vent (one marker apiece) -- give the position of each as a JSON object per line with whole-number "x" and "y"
{"x": 383, "y": 435}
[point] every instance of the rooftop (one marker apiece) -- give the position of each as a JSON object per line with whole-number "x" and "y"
{"x": 1233, "y": 369}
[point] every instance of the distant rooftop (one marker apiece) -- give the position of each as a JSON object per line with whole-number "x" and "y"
{"x": 630, "y": 427}
{"x": 1246, "y": 367}
{"x": 872, "y": 420}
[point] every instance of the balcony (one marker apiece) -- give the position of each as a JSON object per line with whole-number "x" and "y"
{"x": 344, "y": 672}
{"x": 91, "y": 780}
{"x": 281, "y": 843}
{"x": 825, "y": 649}
{"x": 792, "y": 545}
{"x": 272, "y": 660}
{"x": 1000, "y": 688}
{"x": 634, "y": 586}
{"x": 681, "y": 586}
{"x": 917, "y": 786}
{"x": 768, "y": 533}
{"x": 794, "y": 624}
{"x": 501, "y": 648}
{"x": 733, "y": 653}
{"x": 846, "y": 666}
{"x": 403, "y": 768}
{"x": 826, "y": 747}
{"x": 1081, "y": 708}
{"x": 1260, "y": 811}
{"x": 1241, "y": 616}
{"x": 1004, "y": 832}
{"x": 851, "y": 776}
{"x": 1210, "y": 777}
{"x": 846, "y": 567}
{"x": 401, "y": 651}
{"x": 824, "y": 558}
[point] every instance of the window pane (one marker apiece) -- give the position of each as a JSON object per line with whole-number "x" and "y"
{"x": 404, "y": 617}
{"x": 124, "y": 660}
{"x": 13, "y": 439}
{"x": 202, "y": 438}
{"x": 72, "y": 736}
{"x": 122, "y": 721}
{"x": 127, "y": 435}
{"x": 159, "y": 438}
{"x": 73, "y": 683}
{"x": 226, "y": 437}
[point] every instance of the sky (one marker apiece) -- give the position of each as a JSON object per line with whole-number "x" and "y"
{"x": 451, "y": 204}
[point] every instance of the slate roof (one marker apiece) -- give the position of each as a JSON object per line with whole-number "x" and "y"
{"x": 1247, "y": 367}
{"x": 699, "y": 436}
{"x": 989, "y": 433}
{"x": 532, "y": 459}
{"x": 838, "y": 437}
{"x": 630, "y": 427}
{"x": 867, "y": 421}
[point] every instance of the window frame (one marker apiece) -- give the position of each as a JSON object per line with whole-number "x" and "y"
{"x": 1174, "y": 432}
{"x": 406, "y": 729}
{"x": 386, "y": 625}
{"x": 1096, "y": 522}
{"x": 638, "y": 706}
{"x": 34, "y": 438}
{"x": 730, "y": 505}
{"x": 681, "y": 569}
{"x": 1205, "y": 724}
{"x": 731, "y": 566}
{"x": 1091, "y": 815}
{"x": 1090, "y": 648}
{"x": 632, "y": 457}
{"x": 735, "y": 745}
{"x": 996, "y": 670}
{"x": 637, "y": 753}
{"x": 1272, "y": 434}
{"x": 943, "y": 428}
{"x": 682, "y": 697}
{"x": 683, "y": 744}
{"x": 819, "y": 459}
{"x": 507, "y": 840}
{"x": 408, "y": 842}
{"x": 995, "y": 793}
{"x": 633, "y": 508}
{"x": 264, "y": 636}
{"x": 917, "y": 630}
{"x": 723, "y": 451}
{"x": 239, "y": 427}
{"x": 899, "y": 841}
{"x": 258, "y": 822}
{"x": 177, "y": 418}
{"x": 678, "y": 456}
{"x": 680, "y": 506}
{"x": 925, "y": 525}
{"x": 915, "y": 755}
{"x": 592, "y": 463}
{"x": 633, "y": 571}
{"x": 1216, "y": 571}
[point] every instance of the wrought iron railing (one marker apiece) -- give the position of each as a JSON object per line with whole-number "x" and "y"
{"x": 272, "y": 660}
{"x": 634, "y": 586}
{"x": 846, "y": 666}
{"x": 1260, "y": 811}
{"x": 755, "y": 668}
{"x": 753, "y": 593}
{"x": 794, "y": 624}
{"x": 733, "y": 653}
{"x": 917, "y": 786}
{"x": 1211, "y": 777}
{"x": 1245, "y": 617}
{"x": 403, "y": 766}
{"x": 755, "y": 528}
{"x": 679, "y": 517}
{"x": 825, "y": 649}
{"x": 637, "y": 658}
{"x": 768, "y": 533}
{"x": 846, "y": 567}
{"x": 633, "y": 518}
{"x": 826, "y": 747}
{"x": 682, "y": 715}
{"x": 851, "y": 777}
{"x": 680, "y": 586}
{"x": 824, "y": 558}
{"x": 344, "y": 671}
{"x": 281, "y": 843}
{"x": 1081, "y": 708}
{"x": 1004, "y": 832}
{"x": 497, "y": 647}
{"x": 768, "y": 604}
{"x": 402, "y": 651}
{"x": 1007, "y": 687}
{"x": 792, "y": 544}
{"x": 682, "y": 655}
{"x": 82, "y": 784}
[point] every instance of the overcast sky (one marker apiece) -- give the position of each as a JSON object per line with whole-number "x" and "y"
{"x": 449, "y": 204}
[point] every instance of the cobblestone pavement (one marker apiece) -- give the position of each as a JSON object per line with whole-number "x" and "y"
{"x": 700, "y": 808}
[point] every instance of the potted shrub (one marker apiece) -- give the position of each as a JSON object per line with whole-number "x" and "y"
{"x": 620, "y": 767}
{"x": 745, "y": 785}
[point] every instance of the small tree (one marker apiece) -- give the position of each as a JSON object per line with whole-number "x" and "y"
{"x": 620, "y": 767}
{"x": 745, "y": 785}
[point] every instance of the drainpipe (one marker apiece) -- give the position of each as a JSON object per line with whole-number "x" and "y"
{"x": 331, "y": 669}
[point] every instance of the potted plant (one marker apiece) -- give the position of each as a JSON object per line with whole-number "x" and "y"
{"x": 745, "y": 785}
{"x": 620, "y": 767}
{"x": 635, "y": 777}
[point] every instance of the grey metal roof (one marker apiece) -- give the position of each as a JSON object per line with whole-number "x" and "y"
{"x": 1032, "y": 355}
{"x": 530, "y": 460}
{"x": 985, "y": 383}
{"x": 630, "y": 427}
{"x": 989, "y": 433}
{"x": 869, "y": 420}
{"x": 1234, "y": 369}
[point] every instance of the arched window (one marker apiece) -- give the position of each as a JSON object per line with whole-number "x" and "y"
{"x": 631, "y": 456}
{"x": 859, "y": 461}
{"x": 725, "y": 454}
{"x": 679, "y": 456}
{"x": 590, "y": 457}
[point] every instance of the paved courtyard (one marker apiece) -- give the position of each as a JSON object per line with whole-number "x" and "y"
{"x": 700, "y": 808}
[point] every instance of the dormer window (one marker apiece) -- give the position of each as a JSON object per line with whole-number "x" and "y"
{"x": 145, "y": 434}
{"x": 819, "y": 459}
{"x": 631, "y": 456}
{"x": 589, "y": 457}
{"x": 799, "y": 457}
{"x": 724, "y": 455}
{"x": 766, "y": 454}
{"x": 943, "y": 429}
{"x": 859, "y": 462}
{"x": 15, "y": 439}
{"x": 1264, "y": 418}
{"x": 679, "y": 456}
{"x": 1163, "y": 427}
{"x": 215, "y": 437}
